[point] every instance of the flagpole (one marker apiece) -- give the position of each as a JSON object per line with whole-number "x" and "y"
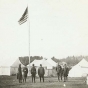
{"x": 23, "y": 19}
{"x": 29, "y": 38}
{"x": 29, "y": 35}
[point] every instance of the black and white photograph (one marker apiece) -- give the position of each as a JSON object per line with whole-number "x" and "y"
{"x": 43, "y": 43}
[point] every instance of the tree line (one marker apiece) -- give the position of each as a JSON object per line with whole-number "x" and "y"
{"x": 70, "y": 60}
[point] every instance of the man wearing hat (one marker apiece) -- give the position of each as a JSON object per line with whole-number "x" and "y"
{"x": 65, "y": 72}
{"x": 25, "y": 72}
{"x": 33, "y": 72}
{"x": 59, "y": 69}
{"x": 41, "y": 72}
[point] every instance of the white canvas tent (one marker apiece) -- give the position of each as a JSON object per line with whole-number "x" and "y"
{"x": 10, "y": 67}
{"x": 47, "y": 66}
{"x": 79, "y": 70}
{"x": 43, "y": 62}
{"x": 53, "y": 63}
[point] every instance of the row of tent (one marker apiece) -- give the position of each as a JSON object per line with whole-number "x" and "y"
{"x": 11, "y": 67}
{"x": 49, "y": 66}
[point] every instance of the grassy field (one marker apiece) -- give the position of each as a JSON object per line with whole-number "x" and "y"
{"x": 12, "y": 82}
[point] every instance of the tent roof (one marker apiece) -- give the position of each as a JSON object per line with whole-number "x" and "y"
{"x": 75, "y": 72}
{"x": 79, "y": 69}
{"x": 83, "y": 63}
{"x": 53, "y": 63}
{"x": 11, "y": 62}
{"x": 16, "y": 63}
{"x": 38, "y": 62}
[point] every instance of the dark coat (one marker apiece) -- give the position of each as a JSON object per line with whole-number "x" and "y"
{"x": 41, "y": 71}
{"x": 19, "y": 73}
{"x": 58, "y": 69}
{"x": 33, "y": 70}
{"x": 25, "y": 71}
{"x": 65, "y": 71}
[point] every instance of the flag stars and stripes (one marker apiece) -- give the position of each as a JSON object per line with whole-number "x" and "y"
{"x": 24, "y": 17}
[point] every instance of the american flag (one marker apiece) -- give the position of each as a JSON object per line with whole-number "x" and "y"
{"x": 24, "y": 17}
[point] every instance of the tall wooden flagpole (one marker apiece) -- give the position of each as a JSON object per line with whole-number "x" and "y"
{"x": 29, "y": 38}
{"x": 23, "y": 19}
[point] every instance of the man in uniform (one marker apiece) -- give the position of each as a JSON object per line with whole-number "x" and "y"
{"x": 25, "y": 72}
{"x": 41, "y": 72}
{"x": 20, "y": 74}
{"x": 33, "y": 72}
{"x": 65, "y": 72}
{"x": 58, "y": 69}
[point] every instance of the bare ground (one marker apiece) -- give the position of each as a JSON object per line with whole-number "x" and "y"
{"x": 51, "y": 82}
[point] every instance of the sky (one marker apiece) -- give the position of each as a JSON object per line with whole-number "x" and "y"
{"x": 54, "y": 28}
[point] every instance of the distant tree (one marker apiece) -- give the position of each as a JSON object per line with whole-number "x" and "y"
{"x": 32, "y": 58}
{"x": 54, "y": 59}
{"x": 70, "y": 60}
{"x": 24, "y": 60}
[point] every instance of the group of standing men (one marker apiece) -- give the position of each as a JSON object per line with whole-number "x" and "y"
{"x": 61, "y": 72}
{"x": 22, "y": 75}
{"x": 41, "y": 72}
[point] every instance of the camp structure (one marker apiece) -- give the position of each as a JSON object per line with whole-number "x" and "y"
{"x": 10, "y": 67}
{"x": 53, "y": 63}
{"x": 49, "y": 68}
{"x": 79, "y": 70}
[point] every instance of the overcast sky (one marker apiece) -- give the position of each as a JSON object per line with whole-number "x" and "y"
{"x": 57, "y": 28}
